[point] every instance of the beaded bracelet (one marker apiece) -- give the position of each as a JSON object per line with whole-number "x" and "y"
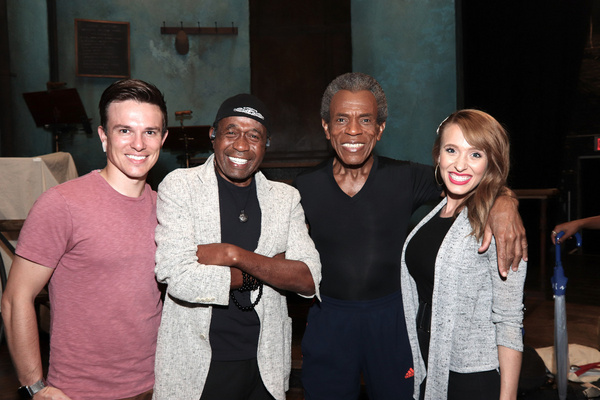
{"x": 249, "y": 283}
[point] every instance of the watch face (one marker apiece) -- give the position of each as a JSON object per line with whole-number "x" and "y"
{"x": 24, "y": 392}
{"x": 27, "y": 392}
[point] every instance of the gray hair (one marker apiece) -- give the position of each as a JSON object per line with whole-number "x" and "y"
{"x": 355, "y": 82}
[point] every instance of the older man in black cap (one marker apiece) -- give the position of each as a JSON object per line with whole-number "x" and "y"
{"x": 230, "y": 243}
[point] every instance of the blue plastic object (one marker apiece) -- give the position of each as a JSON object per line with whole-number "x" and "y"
{"x": 559, "y": 280}
{"x": 561, "y": 338}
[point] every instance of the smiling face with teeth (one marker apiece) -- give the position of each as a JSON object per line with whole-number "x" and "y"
{"x": 239, "y": 144}
{"x": 462, "y": 166}
{"x": 353, "y": 129}
{"x": 133, "y": 139}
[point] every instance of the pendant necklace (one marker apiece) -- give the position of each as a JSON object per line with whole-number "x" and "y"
{"x": 243, "y": 217}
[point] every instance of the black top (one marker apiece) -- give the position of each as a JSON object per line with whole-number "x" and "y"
{"x": 234, "y": 333}
{"x": 422, "y": 251}
{"x": 360, "y": 238}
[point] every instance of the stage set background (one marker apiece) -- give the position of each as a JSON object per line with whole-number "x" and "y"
{"x": 408, "y": 46}
{"x": 519, "y": 61}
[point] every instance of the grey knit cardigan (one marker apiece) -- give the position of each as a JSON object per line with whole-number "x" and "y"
{"x": 188, "y": 215}
{"x": 474, "y": 310}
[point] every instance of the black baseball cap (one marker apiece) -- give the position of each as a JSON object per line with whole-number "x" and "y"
{"x": 245, "y": 105}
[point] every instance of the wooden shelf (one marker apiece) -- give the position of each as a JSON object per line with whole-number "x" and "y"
{"x": 216, "y": 30}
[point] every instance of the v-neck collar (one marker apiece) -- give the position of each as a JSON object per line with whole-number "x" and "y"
{"x": 363, "y": 189}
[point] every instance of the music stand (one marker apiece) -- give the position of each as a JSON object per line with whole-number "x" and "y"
{"x": 189, "y": 139}
{"x": 57, "y": 109}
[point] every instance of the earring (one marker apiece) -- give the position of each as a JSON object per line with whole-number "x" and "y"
{"x": 435, "y": 175}
{"x": 104, "y": 147}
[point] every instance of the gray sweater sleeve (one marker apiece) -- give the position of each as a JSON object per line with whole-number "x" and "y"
{"x": 507, "y": 303}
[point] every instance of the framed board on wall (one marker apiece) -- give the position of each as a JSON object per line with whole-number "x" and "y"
{"x": 102, "y": 48}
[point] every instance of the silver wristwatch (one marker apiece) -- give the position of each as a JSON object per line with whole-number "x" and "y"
{"x": 27, "y": 392}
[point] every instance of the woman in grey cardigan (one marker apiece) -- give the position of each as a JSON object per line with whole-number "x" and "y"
{"x": 464, "y": 320}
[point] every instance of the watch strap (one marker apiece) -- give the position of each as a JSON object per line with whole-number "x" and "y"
{"x": 28, "y": 392}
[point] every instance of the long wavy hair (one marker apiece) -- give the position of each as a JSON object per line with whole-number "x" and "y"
{"x": 483, "y": 132}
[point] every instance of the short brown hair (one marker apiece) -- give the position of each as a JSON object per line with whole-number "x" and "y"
{"x": 132, "y": 89}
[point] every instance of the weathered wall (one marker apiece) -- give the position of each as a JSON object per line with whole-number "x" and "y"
{"x": 409, "y": 46}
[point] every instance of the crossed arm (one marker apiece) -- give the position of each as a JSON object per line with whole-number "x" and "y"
{"x": 276, "y": 271}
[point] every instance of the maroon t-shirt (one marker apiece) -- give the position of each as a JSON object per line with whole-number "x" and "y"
{"x": 103, "y": 293}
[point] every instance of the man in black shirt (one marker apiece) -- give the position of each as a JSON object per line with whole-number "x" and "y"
{"x": 358, "y": 207}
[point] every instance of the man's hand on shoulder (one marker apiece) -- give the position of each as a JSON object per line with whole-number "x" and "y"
{"x": 505, "y": 224}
